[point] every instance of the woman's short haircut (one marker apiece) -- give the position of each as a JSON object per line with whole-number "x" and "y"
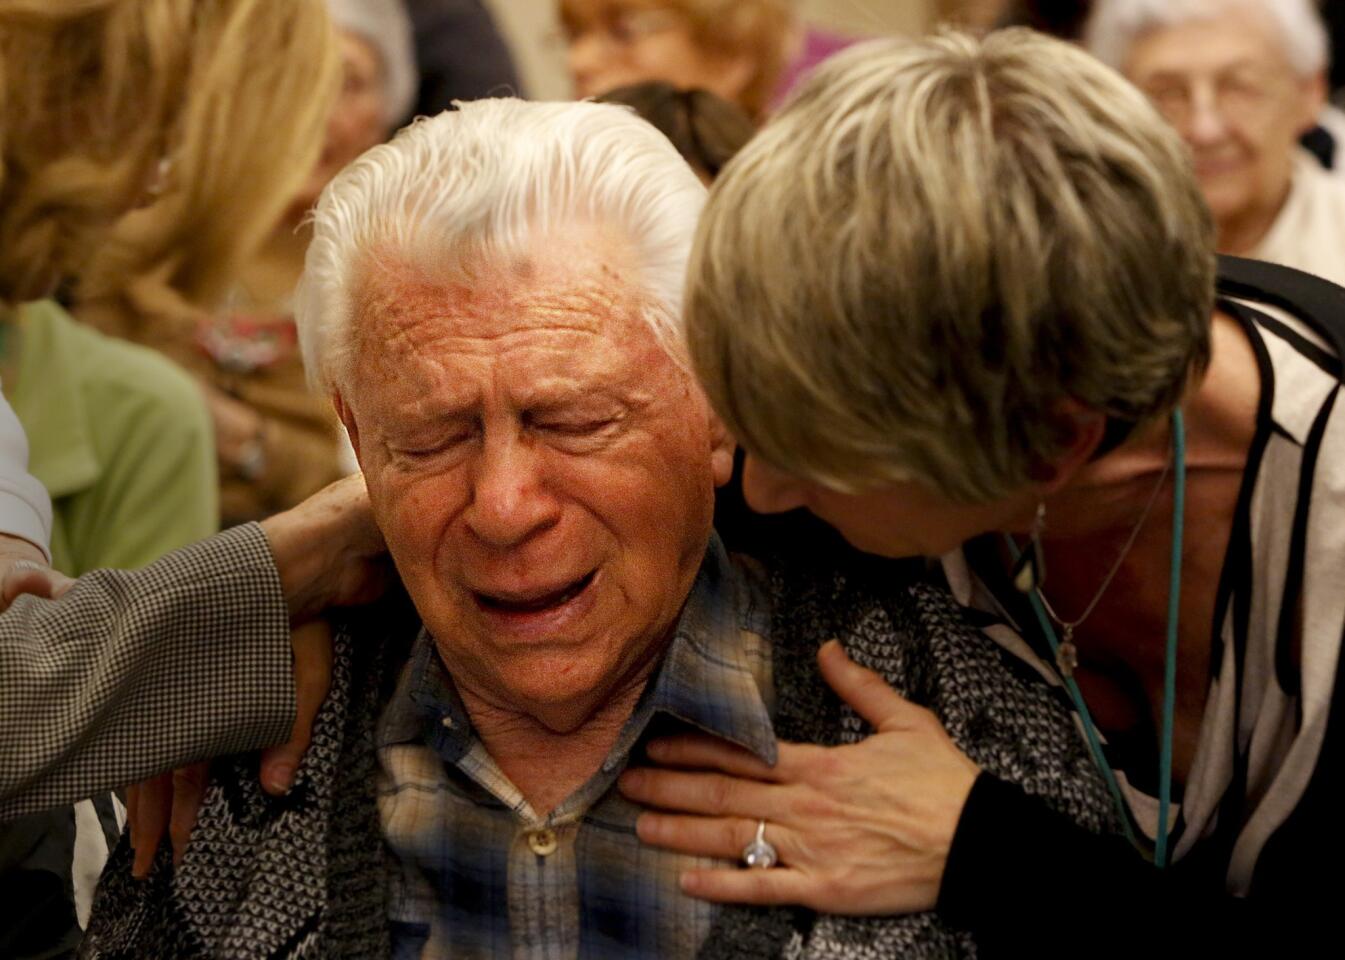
{"x": 473, "y": 186}
{"x": 936, "y": 245}
{"x": 1115, "y": 25}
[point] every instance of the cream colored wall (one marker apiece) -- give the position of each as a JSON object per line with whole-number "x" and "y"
{"x": 530, "y": 28}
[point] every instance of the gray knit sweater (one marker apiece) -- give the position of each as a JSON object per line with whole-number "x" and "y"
{"x": 302, "y": 877}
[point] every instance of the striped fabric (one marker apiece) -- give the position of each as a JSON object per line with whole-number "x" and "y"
{"x": 1282, "y": 590}
{"x": 479, "y": 874}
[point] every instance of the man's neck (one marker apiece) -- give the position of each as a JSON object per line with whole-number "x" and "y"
{"x": 548, "y": 765}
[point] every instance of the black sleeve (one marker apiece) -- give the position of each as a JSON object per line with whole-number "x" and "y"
{"x": 461, "y": 54}
{"x": 1021, "y": 877}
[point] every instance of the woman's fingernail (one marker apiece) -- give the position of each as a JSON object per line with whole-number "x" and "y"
{"x": 657, "y": 750}
{"x": 280, "y": 777}
{"x": 631, "y": 781}
{"x": 689, "y": 882}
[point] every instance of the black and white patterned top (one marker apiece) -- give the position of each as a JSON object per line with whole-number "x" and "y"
{"x": 1264, "y": 790}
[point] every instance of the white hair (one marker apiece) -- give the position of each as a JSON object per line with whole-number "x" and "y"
{"x": 1115, "y": 25}
{"x": 473, "y": 185}
{"x": 385, "y": 25}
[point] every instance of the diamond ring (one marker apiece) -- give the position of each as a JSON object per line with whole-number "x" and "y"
{"x": 760, "y": 853}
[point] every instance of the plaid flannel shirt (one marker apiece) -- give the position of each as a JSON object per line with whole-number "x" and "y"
{"x": 477, "y": 873}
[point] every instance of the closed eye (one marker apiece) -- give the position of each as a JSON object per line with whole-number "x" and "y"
{"x": 437, "y": 447}
{"x": 576, "y": 428}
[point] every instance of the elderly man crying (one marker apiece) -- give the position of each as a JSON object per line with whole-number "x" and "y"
{"x": 544, "y": 473}
{"x": 493, "y": 301}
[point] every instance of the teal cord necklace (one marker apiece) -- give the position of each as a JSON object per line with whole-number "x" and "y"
{"x": 1161, "y": 853}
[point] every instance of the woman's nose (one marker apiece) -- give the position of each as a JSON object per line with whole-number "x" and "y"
{"x": 768, "y": 490}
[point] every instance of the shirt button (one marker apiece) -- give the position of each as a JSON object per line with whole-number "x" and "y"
{"x": 542, "y": 842}
{"x": 447, "y": 721}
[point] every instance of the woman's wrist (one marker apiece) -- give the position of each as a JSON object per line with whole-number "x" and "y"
{"x": 327, "y": 550}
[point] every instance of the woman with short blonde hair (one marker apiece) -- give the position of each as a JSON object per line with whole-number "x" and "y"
{"x": 960, "y": 299}
{"x": 1025, "y": 249}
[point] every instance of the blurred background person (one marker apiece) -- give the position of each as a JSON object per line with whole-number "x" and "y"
{"x": 706, "y": 130}
{"x": 1242, "y": 81}
{"x": 127, "y": 128}
{"x": 736, "y": 49}
{"x": 1060, "y": 18}
{"x": 535, "y": 35}
{"x": 461, "y": 53}
{"x": 1067, "y": 19}
{"x": 121, "y": 440}
{"x": 276, "y": 442}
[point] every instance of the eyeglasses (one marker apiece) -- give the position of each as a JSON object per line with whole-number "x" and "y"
{"x": 621, "y": 29}
{"x": 1231, "y": 95}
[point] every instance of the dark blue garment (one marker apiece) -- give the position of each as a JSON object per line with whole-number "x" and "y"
{"x": 461, "y": 54}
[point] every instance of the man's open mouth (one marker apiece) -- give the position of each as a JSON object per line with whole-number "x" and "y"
{"x": 533, "y": 603}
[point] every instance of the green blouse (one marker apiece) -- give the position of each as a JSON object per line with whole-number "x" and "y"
{"x": 121, "y": 439}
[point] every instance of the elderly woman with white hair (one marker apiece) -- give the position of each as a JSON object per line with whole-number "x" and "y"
{"x": 960, "y": 298}
{"x": 1241, "y": 81}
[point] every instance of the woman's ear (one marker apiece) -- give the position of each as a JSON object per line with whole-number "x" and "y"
{"x": 1079, "y": 431}
{"x": 722, "y": 447}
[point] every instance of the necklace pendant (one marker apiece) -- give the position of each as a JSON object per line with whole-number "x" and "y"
{"x": 1067, "y": 656}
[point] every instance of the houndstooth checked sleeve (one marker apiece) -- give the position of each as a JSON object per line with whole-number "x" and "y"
{"x": 132, "y": 673}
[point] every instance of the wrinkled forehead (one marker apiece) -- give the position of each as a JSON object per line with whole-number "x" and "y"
{"x": 580, "y": 277}
{"x": 569, "y": 304}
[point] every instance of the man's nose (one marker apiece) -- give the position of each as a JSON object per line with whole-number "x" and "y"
{"x": 768, "y": 490}
{"x": 510, "y": 502}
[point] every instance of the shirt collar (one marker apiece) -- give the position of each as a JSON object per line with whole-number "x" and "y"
{"x": 706, "y": 679}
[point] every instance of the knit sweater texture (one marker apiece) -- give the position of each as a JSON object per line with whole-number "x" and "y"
{"x": 302, "y": 877}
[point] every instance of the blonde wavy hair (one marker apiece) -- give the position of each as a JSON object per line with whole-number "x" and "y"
{"x": 935, "y": 245}
{"x": 225, "y": 100}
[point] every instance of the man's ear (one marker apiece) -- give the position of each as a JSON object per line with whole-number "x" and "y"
{"x": 1080, "y": 431}
{"x": 722, "y": 447}
{"x": 347, "y": 418}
